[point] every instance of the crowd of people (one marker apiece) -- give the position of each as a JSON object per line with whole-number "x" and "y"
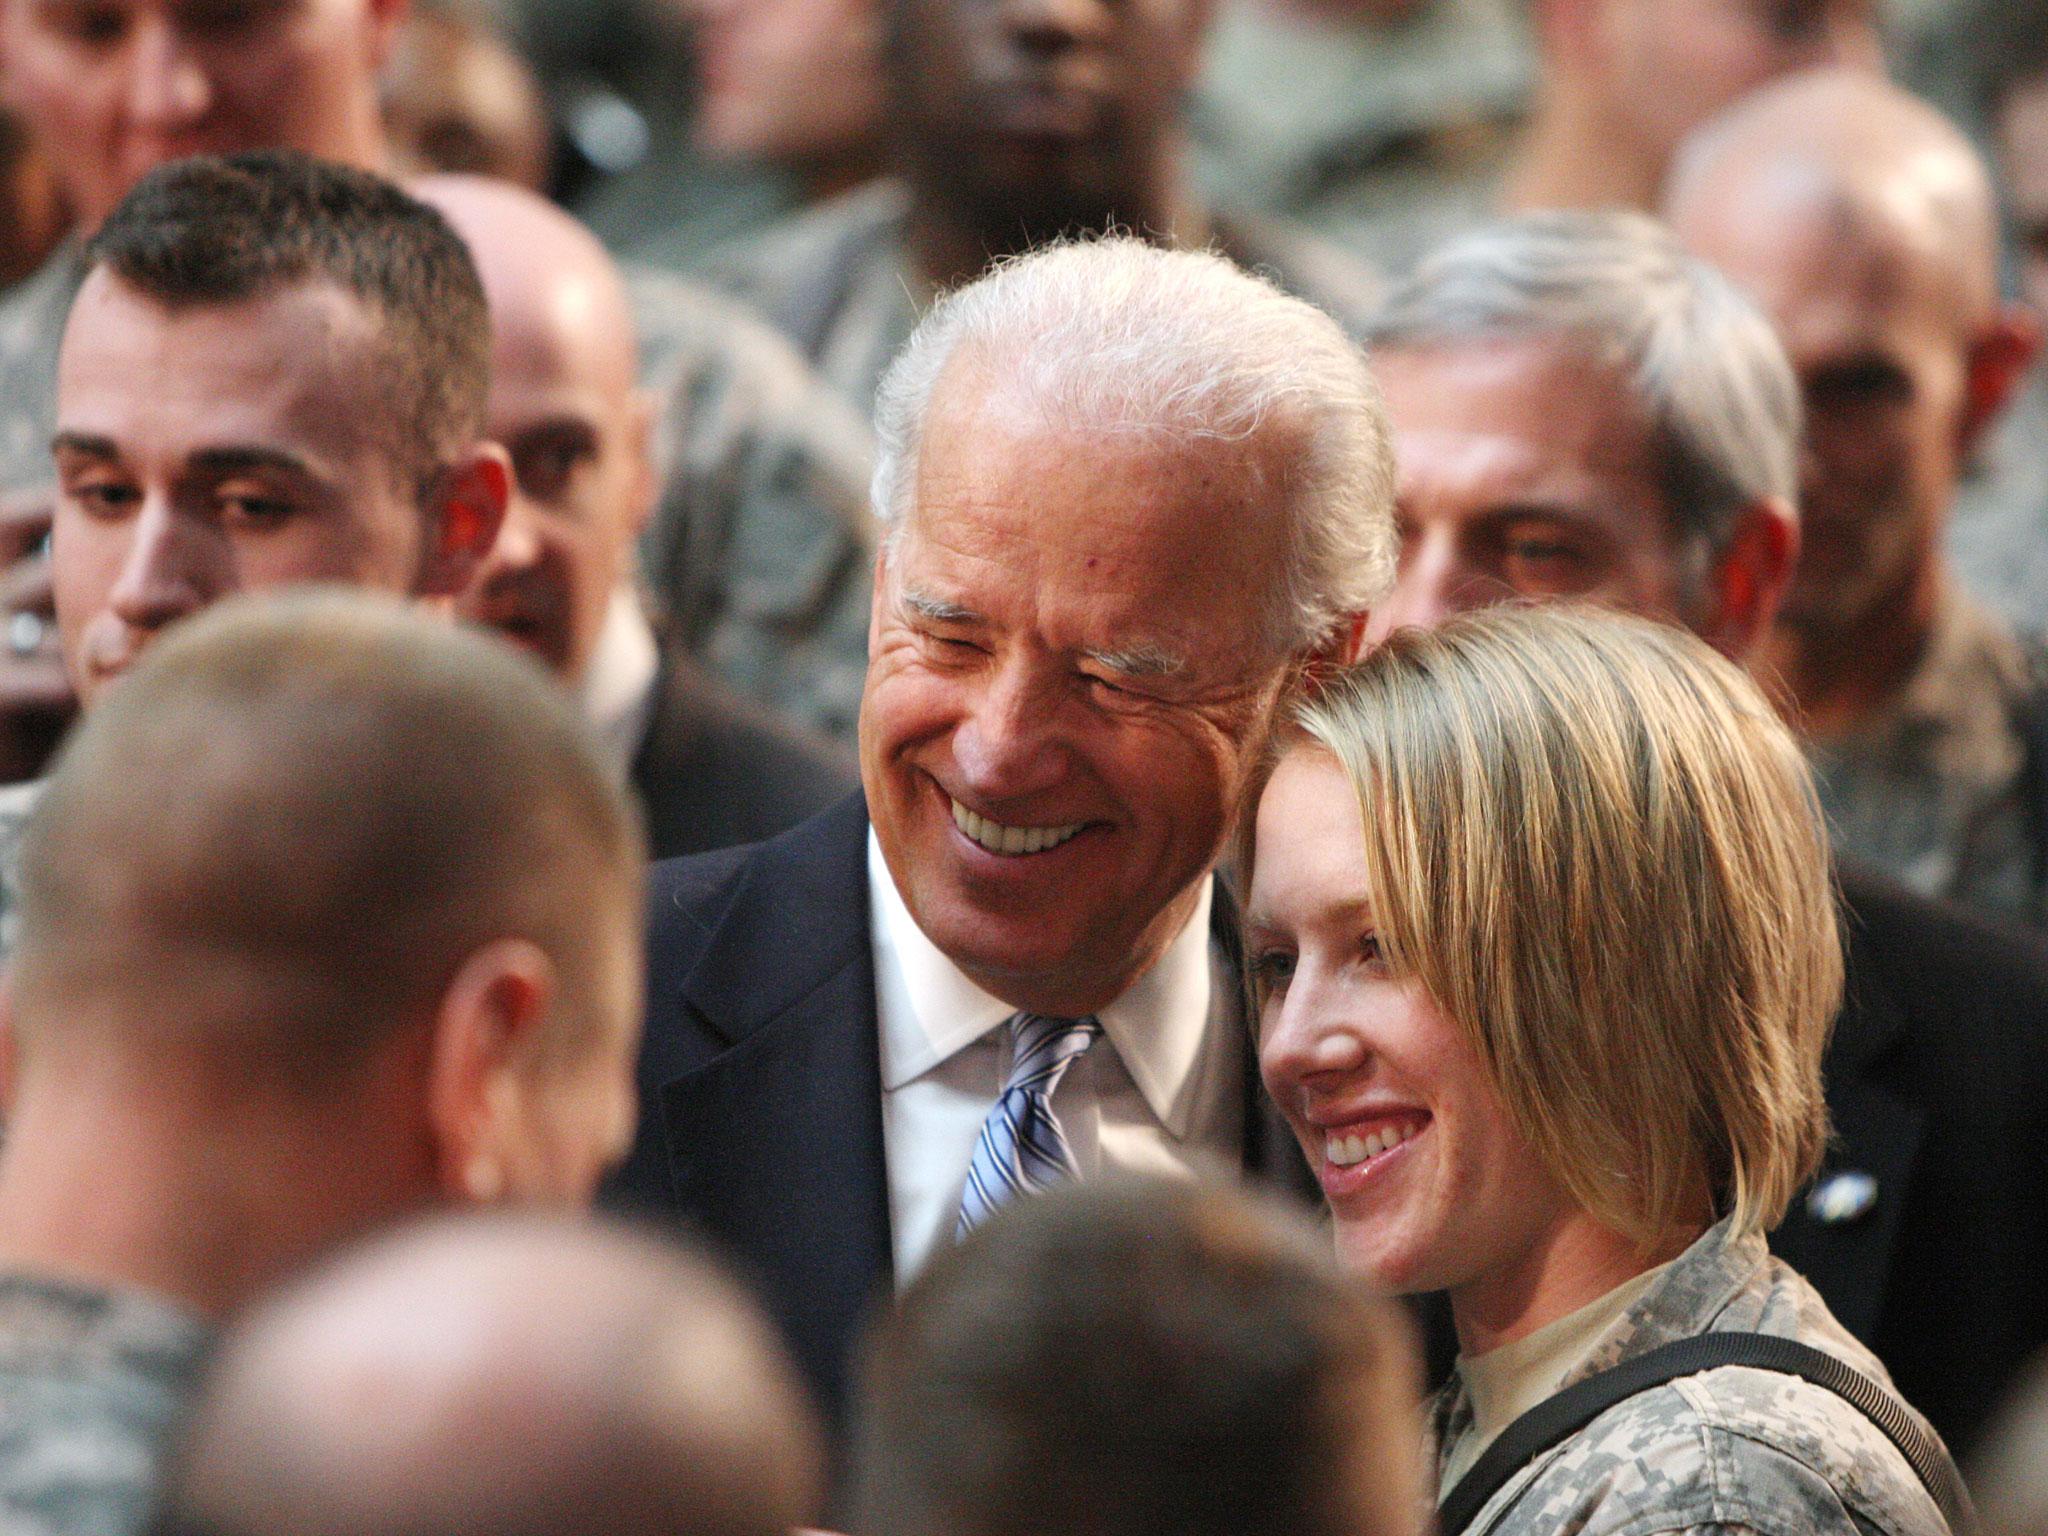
{"x": 1023, "y": 767}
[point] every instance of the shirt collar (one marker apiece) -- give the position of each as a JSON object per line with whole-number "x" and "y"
{"x": 935, "y": 1011}
{"x": 618, "y": 688}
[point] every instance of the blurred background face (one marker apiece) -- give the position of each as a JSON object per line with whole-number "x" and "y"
{"x": 113, "y": 88}
{"x": 32, "y": 217}
{"x": 212, "y": 451}
{"x": 2023, "y": 154}
{"x": 1673, "y": 64}
{"x": 564, "y": 405}
{"x": 1524, "y": 473}
{"x": 456, "y": 98}
{"x": 1430, "y": 1184}
{"x": 1876, "y": 334}
{"x": 785, "y": 81}
{"x": 1040, "y": 114}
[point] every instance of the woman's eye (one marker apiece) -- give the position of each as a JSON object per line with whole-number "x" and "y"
{"x": 1272, "y": 969}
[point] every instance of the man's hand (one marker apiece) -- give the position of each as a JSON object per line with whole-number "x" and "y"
{"x": 36, "y": 701}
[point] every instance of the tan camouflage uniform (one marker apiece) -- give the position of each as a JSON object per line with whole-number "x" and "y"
{"x": 1933, "y": 790}
{"x": 91, "y": 1383}
{"x": 759, "y": 550}
{"x": 837, "y": 281}
{"x": 1733, "y": 1449}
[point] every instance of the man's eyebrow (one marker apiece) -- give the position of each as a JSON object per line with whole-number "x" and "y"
{"x": 937, "y": 610}
{"x": 1141, "y": 660}
{"x": 85, "y": 444}
{"x": 234, "y": 461}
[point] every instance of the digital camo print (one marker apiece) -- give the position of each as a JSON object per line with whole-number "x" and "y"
{"x": 759, "y": 550}
{"x": 1733, "y": 1447}
{"x": 91, "y": 1384}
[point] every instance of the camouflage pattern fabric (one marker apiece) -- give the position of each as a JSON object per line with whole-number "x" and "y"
{"x": 759, "y": 549}
{"x": 1934, "y": 789}
{"x": 91, "y": 1383}
{"x": 837, "y": 281}
{"x": 1733, "y": 1447}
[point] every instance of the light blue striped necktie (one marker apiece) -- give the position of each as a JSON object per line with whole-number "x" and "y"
{"x": 1022, "y": 1148}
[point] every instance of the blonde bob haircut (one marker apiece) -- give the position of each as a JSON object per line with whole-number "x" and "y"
{"x": 1592, "y": 842}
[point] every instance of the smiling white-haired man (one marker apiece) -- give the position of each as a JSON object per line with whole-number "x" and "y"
{"x": 1129, "y": 495}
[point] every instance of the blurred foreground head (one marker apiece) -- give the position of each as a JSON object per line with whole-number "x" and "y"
{"x": 511, "y": 1376}
{"x": 330, "y": 912}
{"x": 1131, "y": 1357}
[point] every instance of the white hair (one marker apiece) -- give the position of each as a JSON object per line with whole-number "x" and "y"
{"x": 1705, "y": 365}
{"x": 1123, "y": 337}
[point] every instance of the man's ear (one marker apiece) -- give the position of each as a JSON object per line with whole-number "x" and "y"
{"x": 465, "y": 509}
{"x": 1344, "y": 646}
{"x": 484, "y": 1033}
{"x": 1747, "y": 581}
{"x": 1999, "y": 356}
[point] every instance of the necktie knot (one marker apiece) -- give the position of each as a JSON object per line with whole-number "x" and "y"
{"x": 1022, "y": 1148}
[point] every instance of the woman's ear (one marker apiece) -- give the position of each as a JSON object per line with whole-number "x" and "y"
{"x": 479, "y": 1093}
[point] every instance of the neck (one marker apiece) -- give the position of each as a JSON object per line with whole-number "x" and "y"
{"x": 842, "y": 170}
{"x": 1574, "y": 155}
{"x": 1832, "y": 677}
{"x": 951, "y": 243}
{"x": 194, "y": 1198}
{"x": 1578, "y": 1261}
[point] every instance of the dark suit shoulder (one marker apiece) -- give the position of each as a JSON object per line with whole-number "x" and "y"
{"x": 1941, "y": 950}
{"x": 716, "y": 770}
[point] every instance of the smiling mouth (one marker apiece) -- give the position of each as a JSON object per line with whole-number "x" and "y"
{"x": 1350, "y": 1151}
{"x": 1011, "y": 842}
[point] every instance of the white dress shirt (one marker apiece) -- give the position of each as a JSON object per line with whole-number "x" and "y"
{"x": 1161, "y": 1092}
{"x": 618, "y": 687}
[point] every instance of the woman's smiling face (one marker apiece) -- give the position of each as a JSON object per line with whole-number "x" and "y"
{"x": 1431, "y": 1184}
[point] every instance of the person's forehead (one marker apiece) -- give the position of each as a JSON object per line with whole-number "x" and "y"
{"x": 291, "y": 369}
{"x": 1481, "y": 421}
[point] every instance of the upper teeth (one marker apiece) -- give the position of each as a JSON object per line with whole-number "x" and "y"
{"x": 1346, "y": 1150}
{"x": 997, "y": 838}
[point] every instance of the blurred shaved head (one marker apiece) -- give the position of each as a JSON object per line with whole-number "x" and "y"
{"x": 501, "y": 1377}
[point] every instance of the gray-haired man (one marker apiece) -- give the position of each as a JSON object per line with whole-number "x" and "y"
{"x": 1129, "y": 494}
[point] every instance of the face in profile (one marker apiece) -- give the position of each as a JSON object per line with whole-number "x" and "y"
{"x": 208, "y": 451}
{"x": 1042, "y": 113}
{"x": 1430, "y": 1184}
{"x": 1675, "y": 64}
{"x": 1066, "y": 682}
{"x": 115, "y": 88}
{"x": 1525, "y": 473}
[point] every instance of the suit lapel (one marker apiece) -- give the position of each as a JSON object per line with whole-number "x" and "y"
{"x": 776, "y": 1144}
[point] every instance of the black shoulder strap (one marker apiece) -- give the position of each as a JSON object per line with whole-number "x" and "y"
{"x": 1578, "y": 1405}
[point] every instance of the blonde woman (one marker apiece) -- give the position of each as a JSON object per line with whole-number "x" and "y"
{"x": 1540, "y": 917}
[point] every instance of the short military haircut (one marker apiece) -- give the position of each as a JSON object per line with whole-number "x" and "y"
{"x": 1132, "y": 1357}
{"x": 1717, "y": 393}
{"x": 1599, "y": 850}
{"x": 214, "y": 232}
{"x": 282, "y": 835}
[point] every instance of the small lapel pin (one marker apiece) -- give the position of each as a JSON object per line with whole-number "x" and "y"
{"x": 1841, "y": 1198}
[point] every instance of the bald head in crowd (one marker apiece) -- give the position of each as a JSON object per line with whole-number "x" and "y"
{"x": 1866, "y": 226}
{"x": 565, "y": 402}
{"x": 500, "y": 1377}
{"x": 330, "y": 914}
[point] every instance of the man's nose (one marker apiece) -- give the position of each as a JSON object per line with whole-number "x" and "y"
{"x": 1009, "y": 743}
{"x": 169, "y": 90}
{"x": 1433, "y": 584}
{"x": 166, "y": 573}
{"x": 518, "y": 546}
{"x": 1053, "y": 26}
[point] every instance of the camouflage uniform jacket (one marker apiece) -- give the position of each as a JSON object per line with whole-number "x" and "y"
{"x": 837, "y": 281}
{"x": 91, "y": 1383}
{"x": 1733, "y": 1449}
{"x": 1937, "y": 789}
{"x": 759, "y": 549}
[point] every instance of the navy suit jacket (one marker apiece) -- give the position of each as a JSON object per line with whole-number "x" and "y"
{"x": 760, "y": 1081}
